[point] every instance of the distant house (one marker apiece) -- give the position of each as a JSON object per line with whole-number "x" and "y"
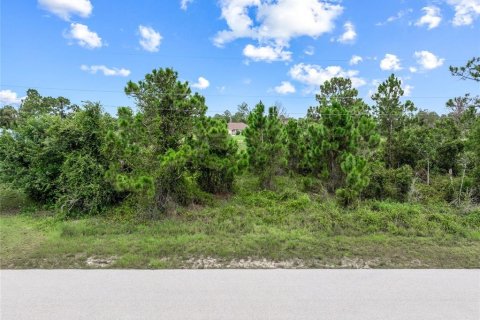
{"x": 235, "y": 128}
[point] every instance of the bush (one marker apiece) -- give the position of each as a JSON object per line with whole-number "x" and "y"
{"x": 391, "y": 184}
{"x": 83, "y": 188}
{"x": 445, "y": 189}
{"x": 12, "y": 199}
{"x": 313, "y": 185}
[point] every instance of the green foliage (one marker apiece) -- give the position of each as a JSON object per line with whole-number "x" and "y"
{"x": 443, "y": 189}
{"x": 415, "y": 146}
{"x": 82, "y": 187}
{"x": 280, "y": 225}
{"x": 340, "y": 145}
{"x": 156, "y": 155}
{"x": 393, "y": 184}
{"x": 176, "y": 184}
{"x": 391, "y": 113}
{"x": 356, "y": 173}
{"x": 58, "y": 160}
{"x": 29, "y": 160}
{"x": 240, "y": 116}
{"x": 471, "y": 71}
{"x": 336, "y": 89}
{"x": 11, "y": 199}
{"x": 169, "y": 109}
{"x": 295, "y": 146}
{"x": 463, "y": 111}
{"x": 8, "y": 117}
{"x": 473, "y": 146}
{"x": 168, "y": 154}
{"x": 35, "y": 105}
{"x": 265, "y": 144}
{"x": 215, "y": 156}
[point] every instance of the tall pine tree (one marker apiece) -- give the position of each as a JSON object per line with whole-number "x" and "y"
{"x": 391, "y": 113}
{"x": 265, "y": 144}
{"x": 215, "y": 156}
{"x": 150, "y": 151}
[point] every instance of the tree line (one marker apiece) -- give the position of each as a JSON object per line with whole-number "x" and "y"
{"x": 168, "y": 153}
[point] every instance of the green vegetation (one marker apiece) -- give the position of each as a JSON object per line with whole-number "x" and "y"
{"x": 240, "y": 140}
{"x": 283, "y": 225}
{"x": 166, "y": 186}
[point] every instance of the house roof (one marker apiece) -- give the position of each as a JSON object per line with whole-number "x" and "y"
{"x": 236, "y": 126}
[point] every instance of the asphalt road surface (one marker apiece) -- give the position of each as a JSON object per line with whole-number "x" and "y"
{"x": 240, "y": 294}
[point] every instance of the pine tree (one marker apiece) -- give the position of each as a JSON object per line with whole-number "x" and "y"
{"x": 391, "y": 113}
{"x": 295, "y": 146}
{"x": 150, "y": 151}
{"x": 168, "y": 106}
{"x": 264, "y": 144}
{"x": 341, "y": 145}
{"x": 215, "y": 156}
{"x": 471, "y": 71}
{"x": 339, "y": 89}
{"x": 34, "y": 105}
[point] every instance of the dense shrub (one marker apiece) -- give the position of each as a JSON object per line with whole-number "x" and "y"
{"x": 391, "y": 184}
{"x": 59, "y": 159}
{"x": 82, "y": 186}
{"x": 12, "y": 199}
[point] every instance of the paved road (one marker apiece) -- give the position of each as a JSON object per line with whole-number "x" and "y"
{"x": 240, "y": 294}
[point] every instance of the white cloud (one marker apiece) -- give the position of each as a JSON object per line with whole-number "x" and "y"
{"x": 309, "y": 51}
{"x": 276, "y": 21}
{"x": 398, "y": 16}
{"x": 9, "y": 97}
{"x": 413, "y": 69}
{"x": 66, "y": 8}
{"x": 407, "y": 90}
{"x": 428, "y": 60}
{"x": 184, "y": 4}
{"x": 201, "y": 84}
{"x": 84, "y": 36}
{"x": 431, "y": 18}
{"x": 355, "y": 60}
{"x": 315, "y": 75}
{"x": 390, "y": 62}
{"x": 285, "y": 88}
{"x": 349, "y": 35}
{"x": 149, "y": 38}
{"x": 466, "y": 11}
{"x": 266, "y": 53}
{"x": 122, "y": 72}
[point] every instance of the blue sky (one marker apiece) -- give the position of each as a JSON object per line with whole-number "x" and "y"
{"x": 237, "y": 50}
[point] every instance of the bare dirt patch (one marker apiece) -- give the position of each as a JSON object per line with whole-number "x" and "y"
{"x": 96, "y": 262}
{"x": 252, "y": 263}
{"x": 247, "y": 263}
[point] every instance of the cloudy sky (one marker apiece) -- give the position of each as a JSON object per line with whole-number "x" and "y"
{"x": 237, "y": 50}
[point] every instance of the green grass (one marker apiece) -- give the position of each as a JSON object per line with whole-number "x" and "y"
{"x": 283, "y": 225}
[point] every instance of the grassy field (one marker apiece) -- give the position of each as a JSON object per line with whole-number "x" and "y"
{"x": 251, "y": 229}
